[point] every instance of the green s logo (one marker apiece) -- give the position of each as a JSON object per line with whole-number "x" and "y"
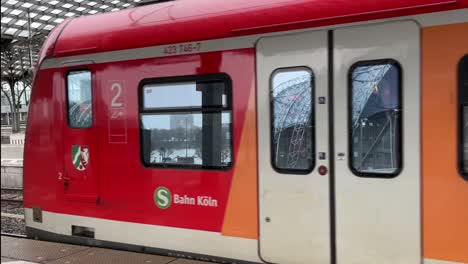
{"x": 162, "y": 197}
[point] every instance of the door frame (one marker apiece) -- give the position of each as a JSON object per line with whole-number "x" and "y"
{"x": 340, "y": 175}
{"x": 391, "y": 203}
{"x": 304, "y": 243}
{"x": 67, "y": 179}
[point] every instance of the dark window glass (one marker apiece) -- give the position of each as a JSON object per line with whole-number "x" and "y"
{"x": 465, "y": 139}
{"x": 292, "y": 112}
{"x": 463, "y": 113}
{"x": 187, "y": 124}
{"x": 375, "y": 118}
{"x": 79, "y": 99}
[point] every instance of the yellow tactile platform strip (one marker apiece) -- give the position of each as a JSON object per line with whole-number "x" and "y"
{"x": 16, "y": 250}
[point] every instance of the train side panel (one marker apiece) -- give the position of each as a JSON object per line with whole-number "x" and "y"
{"x": 126, "y": 209}
{"x": 445, "y": 192}
{"x": 42, "y": 153}
{"x": 127, "y": 187}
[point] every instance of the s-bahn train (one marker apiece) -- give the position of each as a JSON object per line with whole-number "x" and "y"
{"x": 256, "y": 131}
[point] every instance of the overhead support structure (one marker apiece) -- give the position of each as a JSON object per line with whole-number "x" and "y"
{"x": 24, "y": 27}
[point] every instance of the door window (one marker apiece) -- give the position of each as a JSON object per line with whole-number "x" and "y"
{"x": 79, "y": 99}
{"x": 375, "y": 118}
{"x": 292, "y": 120}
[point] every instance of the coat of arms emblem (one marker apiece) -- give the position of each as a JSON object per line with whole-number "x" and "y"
{"x": 80, "y": 157}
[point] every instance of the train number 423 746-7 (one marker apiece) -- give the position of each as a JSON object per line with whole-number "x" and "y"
{"x": 182, "y": 48}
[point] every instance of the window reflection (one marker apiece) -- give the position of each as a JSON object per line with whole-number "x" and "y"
{"x": 376, "y": 118}
{"x": 181, "y": 138}
{"x": 184, "y": 95}
{"x": 292, "y": 114}
{"x": 187, "y": 124}
{"x": 80, "y": 111}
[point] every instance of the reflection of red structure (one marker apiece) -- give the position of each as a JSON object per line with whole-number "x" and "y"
{"x": 116, "y": 193}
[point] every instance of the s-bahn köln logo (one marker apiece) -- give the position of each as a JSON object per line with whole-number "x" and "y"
{"x": 163, "y": 198}
{"x": 80, "y": 157}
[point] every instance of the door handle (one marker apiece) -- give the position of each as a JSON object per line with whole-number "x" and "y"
{"x": 64, "y": 177}
{"x": 67, "y": 178}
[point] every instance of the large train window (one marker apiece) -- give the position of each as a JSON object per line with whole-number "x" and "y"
{"x": 463, "y": 115}
{"x": 79, "y": 99}
{"x": 186, "y": 122}
{"x": 292, "y": 120}
{"x": 375, "y": 118}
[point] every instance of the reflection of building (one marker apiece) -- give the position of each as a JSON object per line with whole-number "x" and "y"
{"x": 376, "y": 128}
{"x": 181, "y": 121}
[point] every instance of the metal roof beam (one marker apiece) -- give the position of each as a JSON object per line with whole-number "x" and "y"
{"x": 45, "y": 15}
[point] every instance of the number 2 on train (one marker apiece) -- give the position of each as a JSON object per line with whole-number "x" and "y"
{"x": 118, "y": 87}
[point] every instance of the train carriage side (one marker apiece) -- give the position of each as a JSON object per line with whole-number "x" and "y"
{"x": 110, "y": 169}
{"x": 334, "y": 144}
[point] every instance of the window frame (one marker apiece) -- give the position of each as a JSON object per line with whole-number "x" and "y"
{"x": 67, "y": 101}
{"x": 313, "y": 115}
{"x": 225, "y": 78}
{"x": 353, "y": 67}
{"x": 461, "y": 103}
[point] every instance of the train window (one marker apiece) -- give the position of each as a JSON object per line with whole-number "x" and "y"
{"x": 463, "y": 115}
{"x": 79, "y": 99}
{"x": 168, "y": 96}
{"x": 187, "y": 122}
{"x": 375, "y": 118}
{"x": 292, "y": 118}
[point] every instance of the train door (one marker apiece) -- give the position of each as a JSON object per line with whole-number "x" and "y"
{"x": 377, "y": 143}
{"x": 293, "y": 133}
{"x": 80, "y": 143}
{"x": 355, "y": 197}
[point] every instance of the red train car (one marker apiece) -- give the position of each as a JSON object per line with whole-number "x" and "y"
{"x": 256, "y": 131}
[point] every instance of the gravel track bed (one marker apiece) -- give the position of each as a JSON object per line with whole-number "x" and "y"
{"x": 13, "y": 225}
{"x": 5, "y": 191}
{"x": 14, "y": 195}
{"x": 12, "y": 208}
{"x": 10, "y": 224}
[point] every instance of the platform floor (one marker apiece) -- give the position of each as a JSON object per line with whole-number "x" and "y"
{"x": 25, "y": 251}
{"x": 12, "y": 151}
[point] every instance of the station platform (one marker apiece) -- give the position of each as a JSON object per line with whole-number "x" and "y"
{"x": 25, "y": 251}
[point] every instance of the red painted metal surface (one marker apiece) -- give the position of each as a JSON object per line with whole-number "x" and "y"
{"x": 48, "y": 46}
{"x": 81, "y": 184}
{"x": 190, "y": 20}
{"x": 126, "y": 187}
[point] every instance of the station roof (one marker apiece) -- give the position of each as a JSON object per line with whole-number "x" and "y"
{"x": 17, "y": 38}
{"x": 178, "y": 21}
{"x": 46, "y": 14}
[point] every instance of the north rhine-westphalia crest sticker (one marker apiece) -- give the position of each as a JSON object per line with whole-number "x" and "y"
{"x": 80, "y": 157}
